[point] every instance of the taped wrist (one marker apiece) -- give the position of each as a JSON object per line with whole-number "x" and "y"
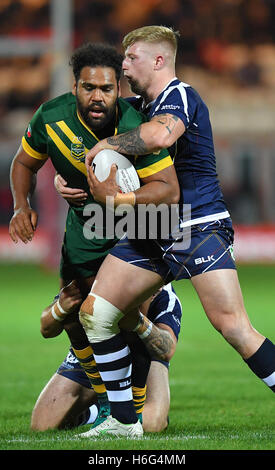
{"x": 144, "y": 327}
{"x": 58, "y": 312}
{"x": 125, "y": 198}
{"x": 121, "y": 202}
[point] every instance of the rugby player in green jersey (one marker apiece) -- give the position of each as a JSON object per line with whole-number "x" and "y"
{"x": 64, "y": 129}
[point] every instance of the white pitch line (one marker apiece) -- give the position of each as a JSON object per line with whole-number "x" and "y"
{"x": 180, "y": 437}
{"x": 147, "y": 438}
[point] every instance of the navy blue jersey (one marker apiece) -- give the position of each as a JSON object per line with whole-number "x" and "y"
{"x": 166, "y": 308}
{"x": 193, "y": 154}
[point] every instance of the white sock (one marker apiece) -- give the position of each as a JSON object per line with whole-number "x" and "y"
{"x": 93, "y": 414}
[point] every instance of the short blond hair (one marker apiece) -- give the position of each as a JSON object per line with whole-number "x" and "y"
{"x": 153, "y": 34}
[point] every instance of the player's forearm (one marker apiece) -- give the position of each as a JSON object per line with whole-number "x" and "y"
{"x": 157, "y": 192}
{"x": 159, "y": 133}
{"x": 22, "y": 182}
{"x": 158, "y": 341}
{"x": 49, "y": 327}
{"x": 159, "y": 344}
{"x": 146, "y": 138}
{"x": 154, "y": 192}
{"x": 159, "y": 188}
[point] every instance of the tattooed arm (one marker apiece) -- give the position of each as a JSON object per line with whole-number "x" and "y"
{"x": 160, "y": 339}
{"x": 161, "y": 132}
{"x": 161, "y": 342}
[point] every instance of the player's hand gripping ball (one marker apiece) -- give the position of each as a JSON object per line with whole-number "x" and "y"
{"x": 126, "y": 177}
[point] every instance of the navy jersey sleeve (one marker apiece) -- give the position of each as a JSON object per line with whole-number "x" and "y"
{"x": 166, "y": 308}
{"x": 179, "y": 101}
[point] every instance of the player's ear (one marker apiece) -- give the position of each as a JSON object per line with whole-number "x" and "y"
{"x": 74, "y": 88}
{"x": 159, "y": 62}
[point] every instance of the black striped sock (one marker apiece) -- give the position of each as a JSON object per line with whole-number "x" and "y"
{"x": 113, "y": 360}
{"x": 87, "y": 362}
{"x": 262, "y": 363}
{"x": 141, "y": 362}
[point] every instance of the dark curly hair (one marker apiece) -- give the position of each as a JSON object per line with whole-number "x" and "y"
{"x": 96, "y": 55}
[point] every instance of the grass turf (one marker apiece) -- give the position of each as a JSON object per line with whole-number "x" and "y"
{"x": 216, "y": 402}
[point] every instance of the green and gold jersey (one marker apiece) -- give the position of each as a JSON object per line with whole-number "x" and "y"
{"x": 58, "y": 132}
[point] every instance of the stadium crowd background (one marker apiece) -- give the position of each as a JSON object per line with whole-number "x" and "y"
{"x": 226, "y": 51}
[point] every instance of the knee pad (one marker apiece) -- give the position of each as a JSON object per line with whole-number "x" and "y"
{"x": 99, "y": 318}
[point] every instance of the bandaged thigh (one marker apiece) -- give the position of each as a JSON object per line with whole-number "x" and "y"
{"x": 99, "y": 318}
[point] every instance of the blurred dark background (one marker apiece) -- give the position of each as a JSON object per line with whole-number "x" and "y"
{"x": 226, "y": 51}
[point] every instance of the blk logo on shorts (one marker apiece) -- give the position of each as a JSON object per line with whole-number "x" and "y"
{"x": 204, "y": 260}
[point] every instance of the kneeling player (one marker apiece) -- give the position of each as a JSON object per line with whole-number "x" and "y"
{"x": 68, "y": 399}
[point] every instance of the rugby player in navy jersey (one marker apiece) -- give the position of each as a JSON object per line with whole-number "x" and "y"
{"x": 68, "y": 400}
{"x": 179, "y": 119}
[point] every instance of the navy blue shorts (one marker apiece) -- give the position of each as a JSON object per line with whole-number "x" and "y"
{"x": 71, "y": 369}
{"x": 164, "y": 308}
{"x": 210, "y": 248}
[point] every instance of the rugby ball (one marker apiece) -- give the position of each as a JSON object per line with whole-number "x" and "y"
{"x": 126, "y": 176}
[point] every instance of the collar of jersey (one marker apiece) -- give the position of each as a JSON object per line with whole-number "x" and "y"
{"x": 91, "y": 132}
{"x": 147, "y": 106}
{"x": 168, "y": 84}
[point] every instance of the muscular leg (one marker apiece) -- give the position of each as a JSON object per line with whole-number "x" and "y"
{"x": 157, "y": 405}
{"x": 137, "y": 284}
{"x": 221, "y": 297}
{"x": 100, "y": 314}
{"x": 84, "y": 353}
{"x": 157, "y": 402}
{"x": 222, "y": 300}
{"x": 81, "y": 345}
{"x": 60, "y": 403}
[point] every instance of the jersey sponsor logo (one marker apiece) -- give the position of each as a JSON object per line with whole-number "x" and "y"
{"x": 71, "y": 359}
{"x": 170, "y": 106}
{"x": 204, "y": 260}
{"x": 78, "y": 149}
{"x": 29, "y": 131}
{"x": 176, "y": 320}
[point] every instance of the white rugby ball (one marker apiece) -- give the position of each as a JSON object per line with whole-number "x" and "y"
{"x": 126, "y": 176}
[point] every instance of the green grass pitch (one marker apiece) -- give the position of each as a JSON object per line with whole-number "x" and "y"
{"x": 216, "y": 402}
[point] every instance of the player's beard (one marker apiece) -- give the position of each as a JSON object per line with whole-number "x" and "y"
{"x": 136, "y": 87}
{"x": 92, "y": 122}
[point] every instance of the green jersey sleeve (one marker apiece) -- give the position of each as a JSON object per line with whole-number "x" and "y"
{"x": 34, "y": 141}
{"x": 148, "y": 165}
{"x": 145, "y": 165}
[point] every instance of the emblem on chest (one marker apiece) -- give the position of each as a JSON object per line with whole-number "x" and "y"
{"x": 78, "y": 149}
